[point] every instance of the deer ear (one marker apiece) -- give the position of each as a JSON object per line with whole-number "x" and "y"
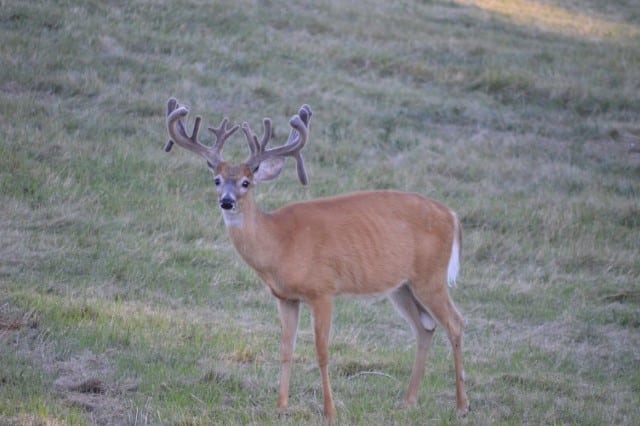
{"x": 269, "y": 169}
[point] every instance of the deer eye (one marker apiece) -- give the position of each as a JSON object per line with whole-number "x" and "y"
{"x": 245, "y": 183}
{"x": 217, "y": 181}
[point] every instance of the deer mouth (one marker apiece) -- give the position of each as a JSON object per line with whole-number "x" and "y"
{"x": 232, "y": 217}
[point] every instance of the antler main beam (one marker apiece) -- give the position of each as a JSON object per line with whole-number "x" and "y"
{"x": 292, "y": 148}
{"x": 178, "y": 134}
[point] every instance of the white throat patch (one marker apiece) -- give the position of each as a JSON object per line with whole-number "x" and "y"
{"x": 232, "y": 218}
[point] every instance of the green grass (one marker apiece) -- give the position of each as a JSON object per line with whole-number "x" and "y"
{"x": 122, "y": 300}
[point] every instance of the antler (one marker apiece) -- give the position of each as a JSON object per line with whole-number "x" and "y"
{"x": 178, "y": 134}
{"x": 297, "y": 139}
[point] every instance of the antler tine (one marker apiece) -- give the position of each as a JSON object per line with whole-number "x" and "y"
{"x": 178, "y": 134}
{"x": 302, "y": 128}
{"x": 252, "y": 141}
{"x": 305, "y": 115}
{"x": 222, "y": 134}
{"x": 298, "y": 139}
{"x": 257, "y": 147}
{"x": 171, "y": 105}
{"x": 266, "y": 133}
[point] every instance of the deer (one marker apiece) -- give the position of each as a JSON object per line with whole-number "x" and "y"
{"x": 398, "y": 244}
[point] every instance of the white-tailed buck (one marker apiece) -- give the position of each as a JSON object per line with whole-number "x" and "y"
{"x": 399, "y": 244}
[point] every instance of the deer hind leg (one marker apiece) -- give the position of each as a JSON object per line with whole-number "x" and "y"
{"x": 289, "y": 313}
{"x": 434, "y": 296}
{"x": 423, "y": 327}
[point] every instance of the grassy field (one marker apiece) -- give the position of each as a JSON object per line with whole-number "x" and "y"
{"x": 122, "y": 300}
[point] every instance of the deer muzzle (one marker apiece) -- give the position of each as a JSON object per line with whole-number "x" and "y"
{"x": 227, "y": 203}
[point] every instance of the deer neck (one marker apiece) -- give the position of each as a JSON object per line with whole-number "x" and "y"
{"x": 248, "y": 229}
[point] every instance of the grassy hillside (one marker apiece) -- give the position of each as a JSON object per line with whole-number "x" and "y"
{"x": 122, "y": 300}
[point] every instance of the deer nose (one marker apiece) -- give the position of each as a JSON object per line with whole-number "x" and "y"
{"x": 227, "y": 203}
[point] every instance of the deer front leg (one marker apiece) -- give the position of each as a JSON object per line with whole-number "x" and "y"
{"x": 289, "y": 313}
{"x": 321, "y": 310}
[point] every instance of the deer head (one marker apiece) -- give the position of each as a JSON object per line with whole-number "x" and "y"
{"x": 233, "y": 182}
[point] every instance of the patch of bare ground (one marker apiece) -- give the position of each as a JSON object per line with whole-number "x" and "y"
{"x": 11, "y": 319}
{"x": 621, "y": 144}
{"x": 29, "y": 420}
{"x": 627, "y": 140}
{"x": 85, "y": 380}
